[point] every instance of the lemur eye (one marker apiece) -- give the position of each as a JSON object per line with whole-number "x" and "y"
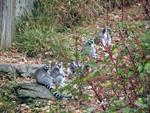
{"x": 103, "y": 30}
{"x": 59, "y": 65}
{"x": 92, "y": 41}
{"x": 89, "y": 43}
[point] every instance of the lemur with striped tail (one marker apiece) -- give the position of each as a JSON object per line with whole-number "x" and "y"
{"x": 43, "y": 77}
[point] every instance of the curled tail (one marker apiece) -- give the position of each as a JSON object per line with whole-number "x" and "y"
{"x": 56, "y": 94}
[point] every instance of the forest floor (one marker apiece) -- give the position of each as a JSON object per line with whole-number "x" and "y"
{"x": 12, "y": 56}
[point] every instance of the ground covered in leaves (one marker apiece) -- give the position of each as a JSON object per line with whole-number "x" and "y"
{"x": 135, "y": 18}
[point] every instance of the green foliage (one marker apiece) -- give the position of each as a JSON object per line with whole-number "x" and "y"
{"x": 115, "y": 105}
{"x": 48, "y": 29}
{"x": 35, "y": 36}
{"x": 146, "y": 41}
{"x": 88, "y": 110}
{"x": 5, "y": 107}
{"x": 7, "y": 98}
{"x": 39, "y": 32}
{"x": 141, "y": 102}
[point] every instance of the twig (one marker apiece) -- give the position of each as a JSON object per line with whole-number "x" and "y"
{"x": 132, "y": 60}
{"x": 96, "y": 94}
{"x": 147, "y": 11}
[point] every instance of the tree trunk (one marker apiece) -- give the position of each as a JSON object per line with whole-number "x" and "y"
{"x": 7, "y": 22}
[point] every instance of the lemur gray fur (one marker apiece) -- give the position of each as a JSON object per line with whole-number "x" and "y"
{"x": 58, "y": 74}
{"x": 76, "y": 69}
{"x": 90, "y": 48}
{"x": 43, "y": 77}
{"x": 105, "y": 37}
{"x": 72, "y": 68}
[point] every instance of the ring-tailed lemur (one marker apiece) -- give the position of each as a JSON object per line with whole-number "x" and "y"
{"x": 72, "y": 67}
{"x": 105, "y": 37}
{"x": 90, "y": 48}
{"x": 43, "y": 77}
{"x": 58, "y": 74}
{"x": 76, "y": 69}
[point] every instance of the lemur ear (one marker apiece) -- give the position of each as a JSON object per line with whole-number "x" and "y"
{"x": 46, "y": 65}
{"x": 101, "y": 28}
{"x": 61, "y": 63}
{"x": 109, "y": 30}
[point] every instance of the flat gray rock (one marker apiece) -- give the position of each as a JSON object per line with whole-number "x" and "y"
{"x": 22, "y": 69}
{"x": 33, "y": 90}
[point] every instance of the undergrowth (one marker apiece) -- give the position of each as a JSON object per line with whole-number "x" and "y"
{"x": 124, "y": 83}
{"x": 46, "y": 30}
{"x": 7, "y": 95}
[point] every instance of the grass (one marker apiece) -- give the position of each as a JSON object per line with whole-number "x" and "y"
{"x": 42, "y": 33}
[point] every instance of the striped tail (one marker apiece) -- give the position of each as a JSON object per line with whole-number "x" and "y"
{"x": 57, "y": 95}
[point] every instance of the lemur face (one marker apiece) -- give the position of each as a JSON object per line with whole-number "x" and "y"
{"x": 105, "y": 31}
{"x": 46, "y": 67}
{"x": 90, "y": 42}
{"x": 59, "y": 66}
{"x": 105, "y": 36}
{"x": 73, "y": 65}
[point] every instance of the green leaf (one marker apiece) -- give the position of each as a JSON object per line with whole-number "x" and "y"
{"x": 88, "y": 110}
{"x": 141, "y": 90}
{"x": 130, "y": 72}
{"x": 127, "y": 110}
{"x": 121, "y": 72}
{"x": 140, "y": 67}
{"x": 92, "y": 63}
{"x": 92, "y": 74}
{"x": 142, "y": 75}
{"x": 86, "y": 96}
{"x": 147, "y": 67}
{"x": 140, "y": 103}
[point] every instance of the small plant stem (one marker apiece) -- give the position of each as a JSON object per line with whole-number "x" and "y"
{"x": 109, "y": 51}
{"x": 133, "y": 87}
{"x": 127, "y": 48}
{"x": 122, "y": 9}
{"x": 125, "y": 91}
{"x": 111, "y": 57}
{"x": 96, "y": 94}
{"x": 146, "y": 8}
{"x": 132, "y": 60}
{"x": 76, "y": 45}
{"x": 115, "y": 91}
